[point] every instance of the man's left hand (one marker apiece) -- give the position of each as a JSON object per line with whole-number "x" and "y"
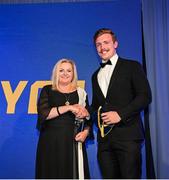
{"x": 110, "y": 117}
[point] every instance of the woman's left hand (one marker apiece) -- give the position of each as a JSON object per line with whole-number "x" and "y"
{"x": 81, "y": 136}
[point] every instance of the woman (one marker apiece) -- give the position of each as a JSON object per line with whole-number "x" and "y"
{"x": 63, "y": 121}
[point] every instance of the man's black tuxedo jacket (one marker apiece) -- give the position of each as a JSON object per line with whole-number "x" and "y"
{"x": 128, "y": 94}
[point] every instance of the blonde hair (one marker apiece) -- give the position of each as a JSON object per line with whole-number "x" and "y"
{"x": 55, "y": 73}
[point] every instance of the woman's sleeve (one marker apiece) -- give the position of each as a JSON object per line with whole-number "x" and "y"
{"x": 43, "y": 106}
{"x": 88, "y": 122}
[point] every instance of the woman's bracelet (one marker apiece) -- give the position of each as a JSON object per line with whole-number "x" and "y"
{"x": 57, "y": 109}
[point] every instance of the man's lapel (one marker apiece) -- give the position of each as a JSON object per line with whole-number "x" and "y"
{"x": 100, "y": 93}
{"x": 114, "y": 75}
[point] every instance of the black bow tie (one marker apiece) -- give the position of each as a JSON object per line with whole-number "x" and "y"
{"x": 104, "y": 64}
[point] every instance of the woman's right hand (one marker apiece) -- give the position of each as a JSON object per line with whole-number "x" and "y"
{"x": 79, "y": 111}
{"x": 74, "y": 109}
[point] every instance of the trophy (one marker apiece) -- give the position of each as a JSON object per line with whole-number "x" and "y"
{"x": 105, "y": 129}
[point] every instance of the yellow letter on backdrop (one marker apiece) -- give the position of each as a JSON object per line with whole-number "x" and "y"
{"x": 12, "y": 97}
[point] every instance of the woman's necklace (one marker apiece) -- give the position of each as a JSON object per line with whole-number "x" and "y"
{"x": 67, "y": 97}
{"x": 67, "y": 94}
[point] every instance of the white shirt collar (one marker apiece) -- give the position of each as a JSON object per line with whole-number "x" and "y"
{"x": 113, "y": 59}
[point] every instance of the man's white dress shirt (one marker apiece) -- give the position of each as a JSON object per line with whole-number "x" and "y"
{"x": 105, "y": 74}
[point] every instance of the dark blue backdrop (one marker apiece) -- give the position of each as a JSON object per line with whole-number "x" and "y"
{"x": 32, "y": 38}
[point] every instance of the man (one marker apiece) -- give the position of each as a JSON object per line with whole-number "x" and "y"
{"x": 120, "y": 92}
